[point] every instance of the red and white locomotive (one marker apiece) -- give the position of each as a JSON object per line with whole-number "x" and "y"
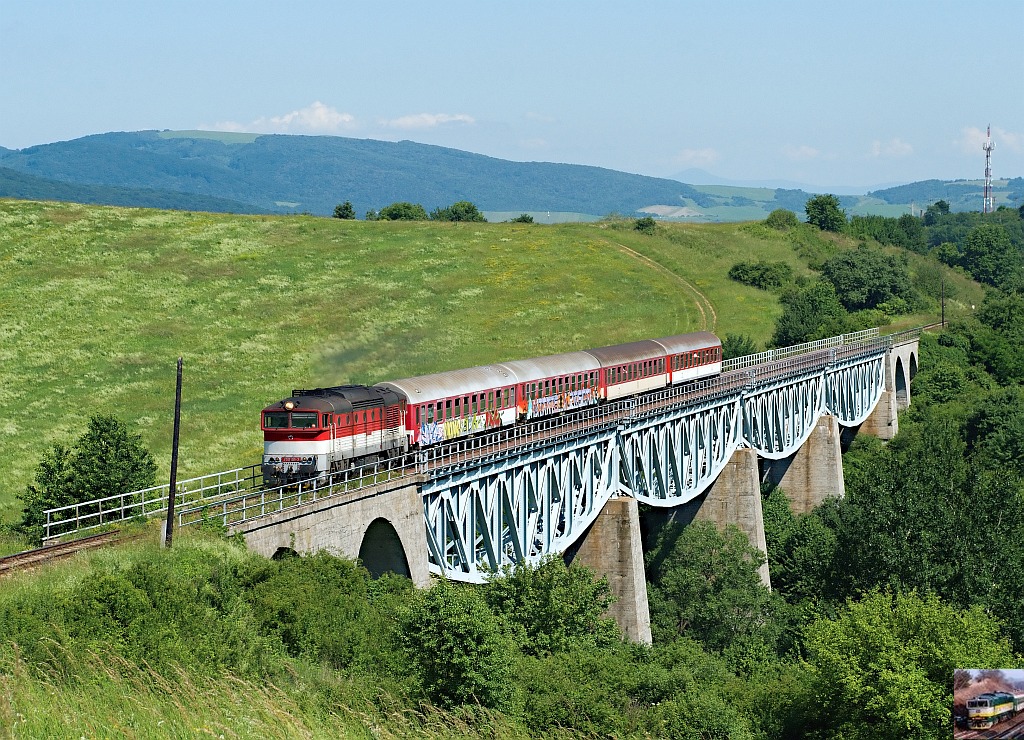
{"x": 327, "y": 429}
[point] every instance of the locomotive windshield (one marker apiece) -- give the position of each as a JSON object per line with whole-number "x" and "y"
{"x": 298, "y": 420}
{"x": 275, "y": 420}
{"x": 303, "y": 419}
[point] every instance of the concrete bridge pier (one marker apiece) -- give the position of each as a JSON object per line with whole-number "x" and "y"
{"x": 883, "y": 421}
{"x": 815, "y": 471}
{"x": 611, "y": 547}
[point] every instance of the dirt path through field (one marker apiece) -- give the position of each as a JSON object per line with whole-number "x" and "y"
{"x": 704, "y": 305}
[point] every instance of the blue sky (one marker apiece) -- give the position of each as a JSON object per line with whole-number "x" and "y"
{"x": 825, "y": 94}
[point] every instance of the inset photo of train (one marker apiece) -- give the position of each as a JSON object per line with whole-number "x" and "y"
{"x": 988, "y": 703}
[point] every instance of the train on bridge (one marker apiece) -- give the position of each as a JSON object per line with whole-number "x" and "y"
{"x": 322, "y": 430}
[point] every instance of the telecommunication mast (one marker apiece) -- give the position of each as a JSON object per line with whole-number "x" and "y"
{"x": 988, "y": 146}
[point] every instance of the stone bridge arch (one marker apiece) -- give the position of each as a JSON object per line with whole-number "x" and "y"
{"x": 902, "y": 367}
{"x": 382, "y": 550}
{"x": 382, "y": 525}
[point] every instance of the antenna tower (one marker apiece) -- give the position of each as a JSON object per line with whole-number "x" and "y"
{"x": 988, "y": 146}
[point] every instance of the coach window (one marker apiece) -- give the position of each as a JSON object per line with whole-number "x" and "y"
{"x": 458, "y": 408}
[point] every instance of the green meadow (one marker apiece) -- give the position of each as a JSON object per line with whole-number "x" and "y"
{"x": 98, "y": 303}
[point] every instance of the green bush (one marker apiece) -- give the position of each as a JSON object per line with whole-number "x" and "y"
{"x": 761, "y": 274}
{"x": 460, "y": 651}
{"x": 782, "y": 219}
{"x": 645, "y": 225}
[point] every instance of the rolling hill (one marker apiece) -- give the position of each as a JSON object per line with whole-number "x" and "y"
{"x": 251, "y": 173}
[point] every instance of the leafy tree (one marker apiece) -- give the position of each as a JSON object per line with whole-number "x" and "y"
{"x": 109, "y": 459}
{"x": 461, "y": 652}
{"x": 809, "y": 314}
{"x": 738, "y": 345}
{"x": 866, "y": 278}
{"x": 106, "y": 460}
{"x": 345, "y": 211}
{"x": 988, "y": 254}
{"x": 801, "y": 551}
{"x": 52, "y": 488}
{"x": 461, "y": 211}
{"x": 645, "y": 225}
{"x": 782, "y": 219}
{"x": 998, "y": 343}
{"x": 882, "y": 667}
{"x": 995, "y": 430}
{"x": 824, "y": 212}
{"x": 910, "y": 230}
{"x": 523, "y": 218}
{"x": 402, "y": 211}
{"x": 558, "y": 608}
{"x": 706, "y": 585}
{"x": 936, "y": 210}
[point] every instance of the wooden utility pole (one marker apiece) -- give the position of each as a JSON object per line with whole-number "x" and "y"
{"x": 943, "y": 303}
{"x": 174, "y": 462}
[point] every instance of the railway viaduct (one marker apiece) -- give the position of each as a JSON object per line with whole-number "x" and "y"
{"x": 573, "y": 485}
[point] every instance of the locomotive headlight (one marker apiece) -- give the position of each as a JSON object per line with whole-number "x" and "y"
{"x": 289, "y": 405}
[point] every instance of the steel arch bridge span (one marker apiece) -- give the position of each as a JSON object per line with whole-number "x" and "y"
{"x": 525, "y": 505}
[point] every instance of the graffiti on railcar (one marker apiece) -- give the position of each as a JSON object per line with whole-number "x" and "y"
{"x": 534, "y": 407}
{"x": 440, "y": 431}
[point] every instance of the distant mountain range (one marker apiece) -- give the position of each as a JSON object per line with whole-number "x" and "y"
{"x": 697, "y": 176}
{"x": 251, "y": 173}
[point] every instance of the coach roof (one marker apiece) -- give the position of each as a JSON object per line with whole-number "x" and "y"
{"x": 426, "y": 388}
{"x": 538, "y": 368}
{"x": 688, "y": 342}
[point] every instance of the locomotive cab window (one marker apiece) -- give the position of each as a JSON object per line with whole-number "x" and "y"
{"x": 304, "y": 419}
{"x": 275, "y": 420}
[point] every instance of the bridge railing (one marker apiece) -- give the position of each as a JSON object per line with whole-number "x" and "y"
{"x": 89, "y": 515}
{"x": 774, "y": 355}
{"x": 233, "y": 508}
{"x": 235, "y": 495}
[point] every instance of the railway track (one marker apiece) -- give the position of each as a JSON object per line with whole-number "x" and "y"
{"x": 1012, "y": 729}
{"x": 50, "y": 553}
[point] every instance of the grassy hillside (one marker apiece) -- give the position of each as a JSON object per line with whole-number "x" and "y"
{"x": 99, "y": 302}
